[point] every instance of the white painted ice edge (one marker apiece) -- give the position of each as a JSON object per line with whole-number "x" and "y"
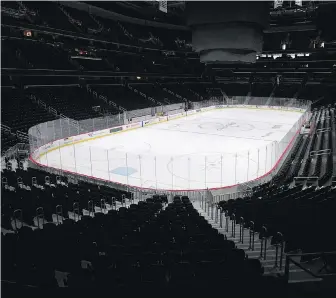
{"x": 38, "y": 153}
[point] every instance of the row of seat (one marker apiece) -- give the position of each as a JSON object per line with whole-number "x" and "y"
{"x": 63, "y": 17}
{"x": 28, "y": 190}
{"x": 19, "y": 112}
{"x": 304, "y": 217}
{"x": 148, "y": 247}
{"x": 317, "y": 161}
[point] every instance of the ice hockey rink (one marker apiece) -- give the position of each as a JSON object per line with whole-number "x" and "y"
{"x": 212, "y": 149}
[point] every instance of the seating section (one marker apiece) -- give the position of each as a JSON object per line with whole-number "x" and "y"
{"x": 261, "y": 89}
{"x": 39, "y": 54}
{"x": 332, "y": 158}
{"x": 34, "y": 189}
{"x": 6, "y": 81}
{"x": 148, "y": 246}
{"x": 155, "y": 92}
{"x": 11, "y": 54}
{"x": 66, "y": 54}
{"x": 312, "y": 92}
{"x": 286, "y": 90}
{"x": 290, "y": 167}
{"x": 315, "y": 162}
{"x": 19, "y": 112}
{"x": 49, "y": 14}
{"x": 59, "y": 16}
{"x": 81, "y": 19}
{"x": 73, "y": 102}
{"x": 62, "y": 17}
{"x": 236, "y": 89}
{"x": 198, "y": 89}
{"x": 123, "y": 96}
{"x": 93, "y": 65}
{"x": 311, "y": 159}
{"x": 181, "y": 90}
{"x": 8, "y": 140}
{"x": 297, "y": 214}
{"x": 11, "y": 4}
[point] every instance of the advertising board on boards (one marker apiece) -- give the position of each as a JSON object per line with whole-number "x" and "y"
{"x": 67, "y": 140}
{"x": 116, "y": 129}
{"x": 176, "y": 116}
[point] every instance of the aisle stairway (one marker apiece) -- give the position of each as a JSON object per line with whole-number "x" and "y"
{"x": 296, "y": 274}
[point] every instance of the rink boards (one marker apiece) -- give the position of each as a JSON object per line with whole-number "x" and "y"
{"x": 54, "y": 145}
{"x": 111, "y": 159}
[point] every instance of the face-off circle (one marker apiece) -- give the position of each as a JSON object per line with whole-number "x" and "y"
{"x": 225, "y": 126}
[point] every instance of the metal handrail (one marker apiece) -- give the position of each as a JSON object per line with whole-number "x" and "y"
{"x": 19, "y": 181}
{"x": 91, "y": 208}
{"x": 227, "y": 221}
{"x": 102, "y": 205}
{"x": 221, "y": 218}
{"x": 59, "y": 214}
{"x": 241, "y": 230}
{"x": 40, "y": 214}
{"x": 113, "y": 203}
{"x": 263, "y": 242}
{"x": 17, "y": 211}
{"x": 281, "y": 242}
{"x": 282, "y": 250}
{"x": 289, "y": 259}
{"x": 4, "y": 181}
{"x": 233, "y": 228}
{"x": 34, "y": 181}
{"x": 251, "y": 244}
{"x": 76, "y": 211}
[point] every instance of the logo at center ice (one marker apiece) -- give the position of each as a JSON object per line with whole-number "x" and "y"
{"x": 211, "y": 165}
{"x": 230, "y": 124}
{"x": 218, "y": 126}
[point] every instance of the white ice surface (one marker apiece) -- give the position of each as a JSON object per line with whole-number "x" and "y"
{"x": 211, "y": 149}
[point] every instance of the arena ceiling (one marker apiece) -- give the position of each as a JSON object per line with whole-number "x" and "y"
{"x": 288, "y": 14}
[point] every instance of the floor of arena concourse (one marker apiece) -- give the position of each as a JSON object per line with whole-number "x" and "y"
{"x": 203, "y": 150}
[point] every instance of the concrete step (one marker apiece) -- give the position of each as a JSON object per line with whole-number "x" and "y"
{"x": 268, "y": 258}
{"x": 255, "y": 253}
{"x": 300, "y": 276}
{"x": 268, "y": 264}
{"x": 246, "y": 238}
{"x": 305, "y": 280}
{"x": 277, "y": 271}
